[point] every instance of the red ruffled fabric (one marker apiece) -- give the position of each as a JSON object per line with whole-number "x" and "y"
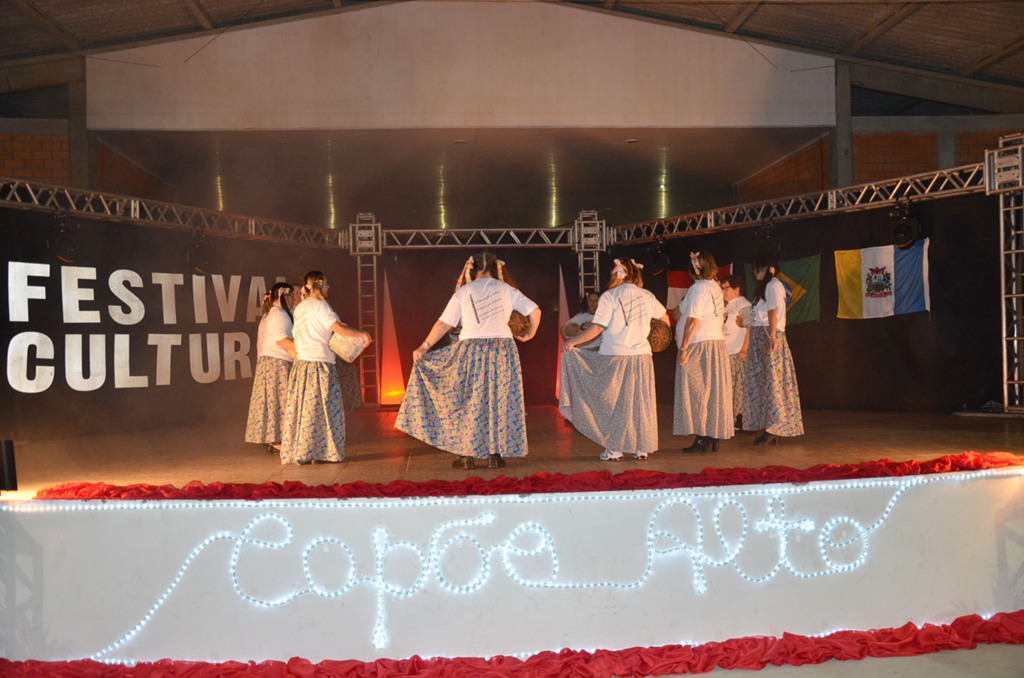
{"x": 596, "y": 481}
{"x": 752, "y": 653}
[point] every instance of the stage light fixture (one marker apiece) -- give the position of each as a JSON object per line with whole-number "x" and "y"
{"x": 62, "y": 241}
{"x": 907, "y": 229}
{"x": 8, "y": 473}
{"x": 196, "y": 258}
{"x": 659, "y": 259}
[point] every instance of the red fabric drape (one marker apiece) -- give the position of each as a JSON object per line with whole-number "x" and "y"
{"x": 596, "y": 481}
{"x": 752, "y": 653}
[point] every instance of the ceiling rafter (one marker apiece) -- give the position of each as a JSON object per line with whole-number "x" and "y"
{"x": 45, "y": 22}
{"x": 746, "y": 11}
{"x": 197, "y": 12}
{"x": 981, "y": 64}
{"x": 896, "y": 17}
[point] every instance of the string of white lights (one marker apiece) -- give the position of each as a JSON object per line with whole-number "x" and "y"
{"x": 842, "y": 541}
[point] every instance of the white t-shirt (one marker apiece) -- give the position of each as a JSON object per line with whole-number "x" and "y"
{"x": 585, "y": 320}
{"x": 774, "y": 297}
{"x": 625, "y": 313}
{"x": 483, "y": 307}
{"x": 734, "y": 334}
{"x": 276, "y": 325}
{"x": 704, "y": 302}
{"x": 312, "y": 331}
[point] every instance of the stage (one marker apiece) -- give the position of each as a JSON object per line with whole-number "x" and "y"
{"x": 898, "y": 546}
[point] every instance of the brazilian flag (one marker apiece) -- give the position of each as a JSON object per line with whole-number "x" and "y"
{"x": 802, "y": 279}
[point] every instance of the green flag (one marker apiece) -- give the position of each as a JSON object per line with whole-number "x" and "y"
{"x": 802, "y": 280}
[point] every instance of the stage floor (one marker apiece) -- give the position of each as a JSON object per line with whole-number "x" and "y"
{"x": 377, "y": 453}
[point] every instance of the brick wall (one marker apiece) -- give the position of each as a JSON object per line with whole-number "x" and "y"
{"x": 117, "y": 174}
{"x": 805, "y": 171}
{"x": 37, "y": 157}
{"x": 886, "y": 155}
{"x": 971, "y": 146}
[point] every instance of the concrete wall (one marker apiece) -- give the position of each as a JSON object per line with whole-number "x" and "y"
{"x": 458, "y": 64}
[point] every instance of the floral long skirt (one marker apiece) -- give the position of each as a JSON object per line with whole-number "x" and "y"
{"x": 703, "y": 395}
{"x": 467, "y": 399}
{"x": 314, "y": 421}
{"x": 770, "y": 393}
{"x": 351, "y": 387}
{"x": 739, "y": 375}
{"x": 610, "y": 399}
{"x": 266, "y": 404}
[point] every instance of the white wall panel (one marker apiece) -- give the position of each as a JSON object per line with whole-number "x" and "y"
{"x": 458, "y": 64}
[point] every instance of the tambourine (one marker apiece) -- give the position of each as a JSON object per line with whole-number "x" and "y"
{"x": 519, "y": 324}
{"x": 660, "y": 335}
{"x": 570, "y": 330}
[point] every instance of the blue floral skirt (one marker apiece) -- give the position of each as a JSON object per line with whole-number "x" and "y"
{"x": 771, "y": 398}
{"x": 351, "y": 386}
{"x": 266, "y": 405}
{"x": 739, "y": 375}
{"x": 314, "y": 421}
{"x": 703, "y": 395}
{"x": 467, "y": 399}
{"x": 611, "y": 400}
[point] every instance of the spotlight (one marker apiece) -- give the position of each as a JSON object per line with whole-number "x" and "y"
{"x": 62, "y": 241}
{"x": 8, "y": 473}
{"x": 659, "y": 259}
{"x": 907, "y": 229}
{"x": 195, "y": 257}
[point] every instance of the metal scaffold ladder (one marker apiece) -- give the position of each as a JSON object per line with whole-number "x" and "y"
{"x": 365, "y": 240}
{"x": 590, "y": 237}
{"x": 1004, "y": 174}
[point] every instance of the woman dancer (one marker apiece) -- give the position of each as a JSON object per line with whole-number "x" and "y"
{"x": 314, "y": 416}
{"x": 582, "y": 320}
{"x": 703, "y": 396}
{"x": 276, "y": 351}
{"x": 771, "y": 398}
{"x": 609, "y": 395}
{"x": 467, "y": 398}
{"x": 738, "y": 316}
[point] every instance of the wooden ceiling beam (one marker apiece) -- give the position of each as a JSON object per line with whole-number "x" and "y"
{"x": 981, "y": 64}
{"x": 198, "y": 14}
{"x": 896, "y": 17}
{"x": 40, "y": 19}
{"x": 746, "y": 11}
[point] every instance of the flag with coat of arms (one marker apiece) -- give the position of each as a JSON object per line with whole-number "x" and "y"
{"x": 876, "y": 282}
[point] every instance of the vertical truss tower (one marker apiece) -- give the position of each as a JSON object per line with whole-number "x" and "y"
{"x": 1003, "y": 175}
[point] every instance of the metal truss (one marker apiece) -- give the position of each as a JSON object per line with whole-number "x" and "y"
{"x": 480, "y": 237}
{"x": 930, "y": 186}
{"x": 23, "y": 194}
{"x": 1005, "y": 177}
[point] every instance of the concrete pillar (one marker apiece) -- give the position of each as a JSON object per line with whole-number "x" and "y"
{"x": 842, "y": 135}
{"x": 78, "y": 136}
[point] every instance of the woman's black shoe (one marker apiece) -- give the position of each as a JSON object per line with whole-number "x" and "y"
{"x": 463, "y": 462}
{"x": 766, "y": 439}
{"x": 714, "y": 444}
{"x": 495, "y": 461}
{"x": 738, "y": 425}
{"x": 700, "y": 444}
